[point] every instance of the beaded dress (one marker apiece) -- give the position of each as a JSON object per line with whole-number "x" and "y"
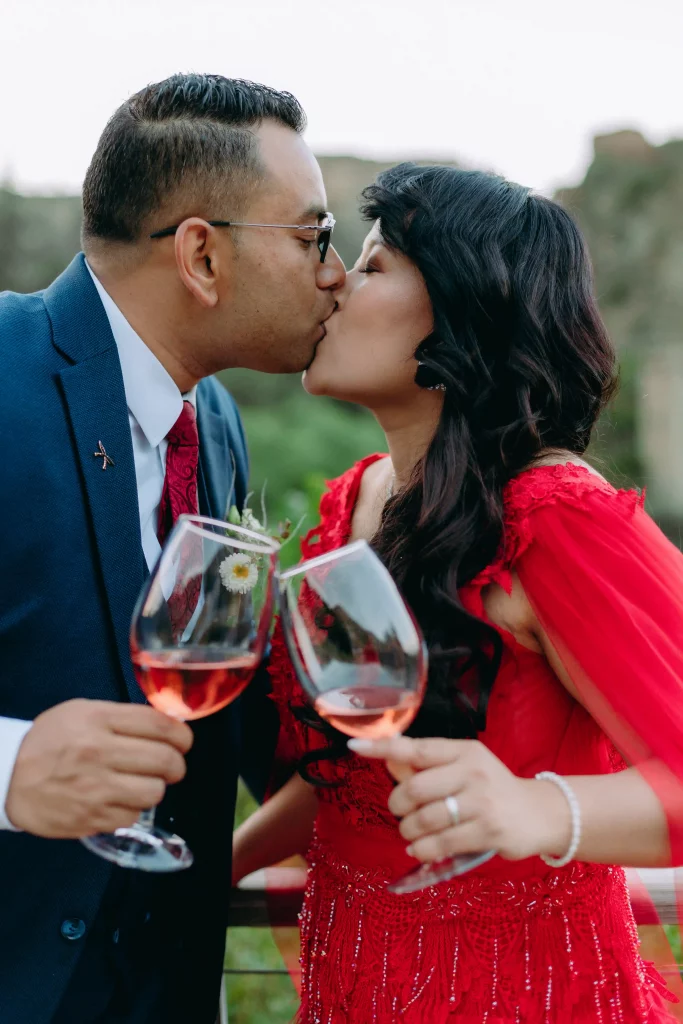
{"x": 509, "y": 942}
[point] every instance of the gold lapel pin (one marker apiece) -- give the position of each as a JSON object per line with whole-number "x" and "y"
{"x": 102, "y": 454}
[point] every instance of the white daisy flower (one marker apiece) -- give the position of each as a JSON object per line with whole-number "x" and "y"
{"x": 238, "y": 574}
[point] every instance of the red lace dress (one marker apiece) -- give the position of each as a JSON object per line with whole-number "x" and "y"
{"x": 510, "y": 942}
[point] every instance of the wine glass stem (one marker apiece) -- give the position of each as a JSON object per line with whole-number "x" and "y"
{"x": 146, "y": 820}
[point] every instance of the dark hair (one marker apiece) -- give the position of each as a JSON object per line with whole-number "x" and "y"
{"x": 189, "y": 133}
{"x": 527, "y": 366}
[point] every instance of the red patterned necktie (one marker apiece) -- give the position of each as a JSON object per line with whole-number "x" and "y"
{"x": 179, "y": 497}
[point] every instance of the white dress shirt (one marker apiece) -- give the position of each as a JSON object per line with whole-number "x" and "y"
{"x": 154, "y": 404}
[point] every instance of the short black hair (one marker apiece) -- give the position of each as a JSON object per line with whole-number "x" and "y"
{"x": 190, "y": 134}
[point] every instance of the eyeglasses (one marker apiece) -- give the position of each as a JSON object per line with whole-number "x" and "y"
{"x": 322, "y": 233}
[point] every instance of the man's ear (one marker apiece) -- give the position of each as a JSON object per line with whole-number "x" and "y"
{"x": 198, "y": 259}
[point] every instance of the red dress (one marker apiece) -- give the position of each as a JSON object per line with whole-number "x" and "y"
{"x": 513, "y": 941}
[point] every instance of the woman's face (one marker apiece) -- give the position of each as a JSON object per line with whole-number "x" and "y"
{"x": 368, "y": 354}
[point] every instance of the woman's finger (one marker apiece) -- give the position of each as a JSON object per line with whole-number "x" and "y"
{"x": 420, "y": 753}
{"x": 465, "y": 838}
{"x": 425, "y": 787}
{"x": 400, "y": 770}
{"x": 433, "y": 818}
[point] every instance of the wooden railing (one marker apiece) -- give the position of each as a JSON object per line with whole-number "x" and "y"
{"x": 275, "y": 903}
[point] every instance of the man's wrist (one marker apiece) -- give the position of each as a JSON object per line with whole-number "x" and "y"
{"x": 13, "y": 731}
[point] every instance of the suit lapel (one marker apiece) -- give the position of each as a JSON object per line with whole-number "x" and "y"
{"x": 96, "y": 403}
{"x": 215, "y": 466}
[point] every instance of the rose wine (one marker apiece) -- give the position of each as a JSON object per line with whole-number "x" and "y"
{"x": 370, "y": 711}
{"x": 188, "y": 684}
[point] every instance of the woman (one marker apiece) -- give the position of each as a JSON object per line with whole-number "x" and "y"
{"x": 552, "y": 607}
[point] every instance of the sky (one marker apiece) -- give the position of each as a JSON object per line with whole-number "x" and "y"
{"x": 517, "y": 87}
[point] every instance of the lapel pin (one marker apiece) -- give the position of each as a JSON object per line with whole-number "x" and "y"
{"x": 102, "y": 454}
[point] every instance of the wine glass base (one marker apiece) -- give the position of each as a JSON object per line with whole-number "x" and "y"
{"x": 441, "y": 871}
{"x": 156, "y": 851}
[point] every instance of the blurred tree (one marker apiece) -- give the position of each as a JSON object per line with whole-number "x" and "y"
{"x": 10, "y": 229}
{"x": 630, "y": 206}
{"x": 38, "y": 237}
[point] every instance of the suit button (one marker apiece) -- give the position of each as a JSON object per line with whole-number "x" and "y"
{"x": 73, "y": 928}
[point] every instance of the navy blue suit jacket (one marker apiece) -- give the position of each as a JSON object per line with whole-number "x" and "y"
{"x": 72, "y": 566}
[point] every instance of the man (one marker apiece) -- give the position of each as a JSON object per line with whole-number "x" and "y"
{"x": 101, "y": 372}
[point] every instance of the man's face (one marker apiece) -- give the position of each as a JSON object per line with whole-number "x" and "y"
{"x": 280, "y": 293}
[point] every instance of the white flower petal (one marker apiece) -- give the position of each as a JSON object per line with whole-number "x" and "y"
{"x": 238, "y": 573}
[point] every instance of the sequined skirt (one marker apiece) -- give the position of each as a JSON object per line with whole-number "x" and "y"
{"x": 503, "y": 946}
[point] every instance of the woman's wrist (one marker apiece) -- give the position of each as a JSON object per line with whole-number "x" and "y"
{"x": 553, "y": 831}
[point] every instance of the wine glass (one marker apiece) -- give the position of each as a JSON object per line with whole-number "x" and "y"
{"x": 197, "y": 636}
{"x": 361, "y": 659}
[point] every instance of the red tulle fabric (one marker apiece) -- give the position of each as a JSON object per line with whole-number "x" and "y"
{"x": 511, "y": 942}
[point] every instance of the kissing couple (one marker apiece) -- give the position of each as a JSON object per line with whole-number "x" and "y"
{"x": 551, "y": 604}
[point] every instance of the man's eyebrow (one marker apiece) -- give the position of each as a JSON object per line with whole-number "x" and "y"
{"x": 314, "y": 212}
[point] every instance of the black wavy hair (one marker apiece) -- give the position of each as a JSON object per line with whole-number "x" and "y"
{"x": 527, "y": 365}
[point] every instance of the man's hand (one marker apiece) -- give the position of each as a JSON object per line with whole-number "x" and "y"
{"x": 89, "y": 766}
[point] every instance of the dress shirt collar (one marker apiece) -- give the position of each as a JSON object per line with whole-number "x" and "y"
{"x": 152, "y": 396}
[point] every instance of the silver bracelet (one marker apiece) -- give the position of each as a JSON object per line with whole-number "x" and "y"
{"x": 570, "y": 795}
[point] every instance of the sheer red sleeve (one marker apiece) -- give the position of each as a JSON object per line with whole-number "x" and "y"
{"x": 607, "y": 588}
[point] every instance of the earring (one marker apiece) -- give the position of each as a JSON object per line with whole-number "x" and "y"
{"x": 428, "y": 379}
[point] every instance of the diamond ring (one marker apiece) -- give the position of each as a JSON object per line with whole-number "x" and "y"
{"x": 453, "y": 809}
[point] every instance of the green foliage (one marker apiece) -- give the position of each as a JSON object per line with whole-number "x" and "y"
{"x": 673, "y": 933}
{"x": 614, "y": 450}
{"x": 256, "y": 999}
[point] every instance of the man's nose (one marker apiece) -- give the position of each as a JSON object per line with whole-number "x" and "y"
{"x": 331, "y": 273}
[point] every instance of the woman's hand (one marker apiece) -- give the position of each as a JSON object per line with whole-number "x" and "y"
{"x": 496, "y": 810}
